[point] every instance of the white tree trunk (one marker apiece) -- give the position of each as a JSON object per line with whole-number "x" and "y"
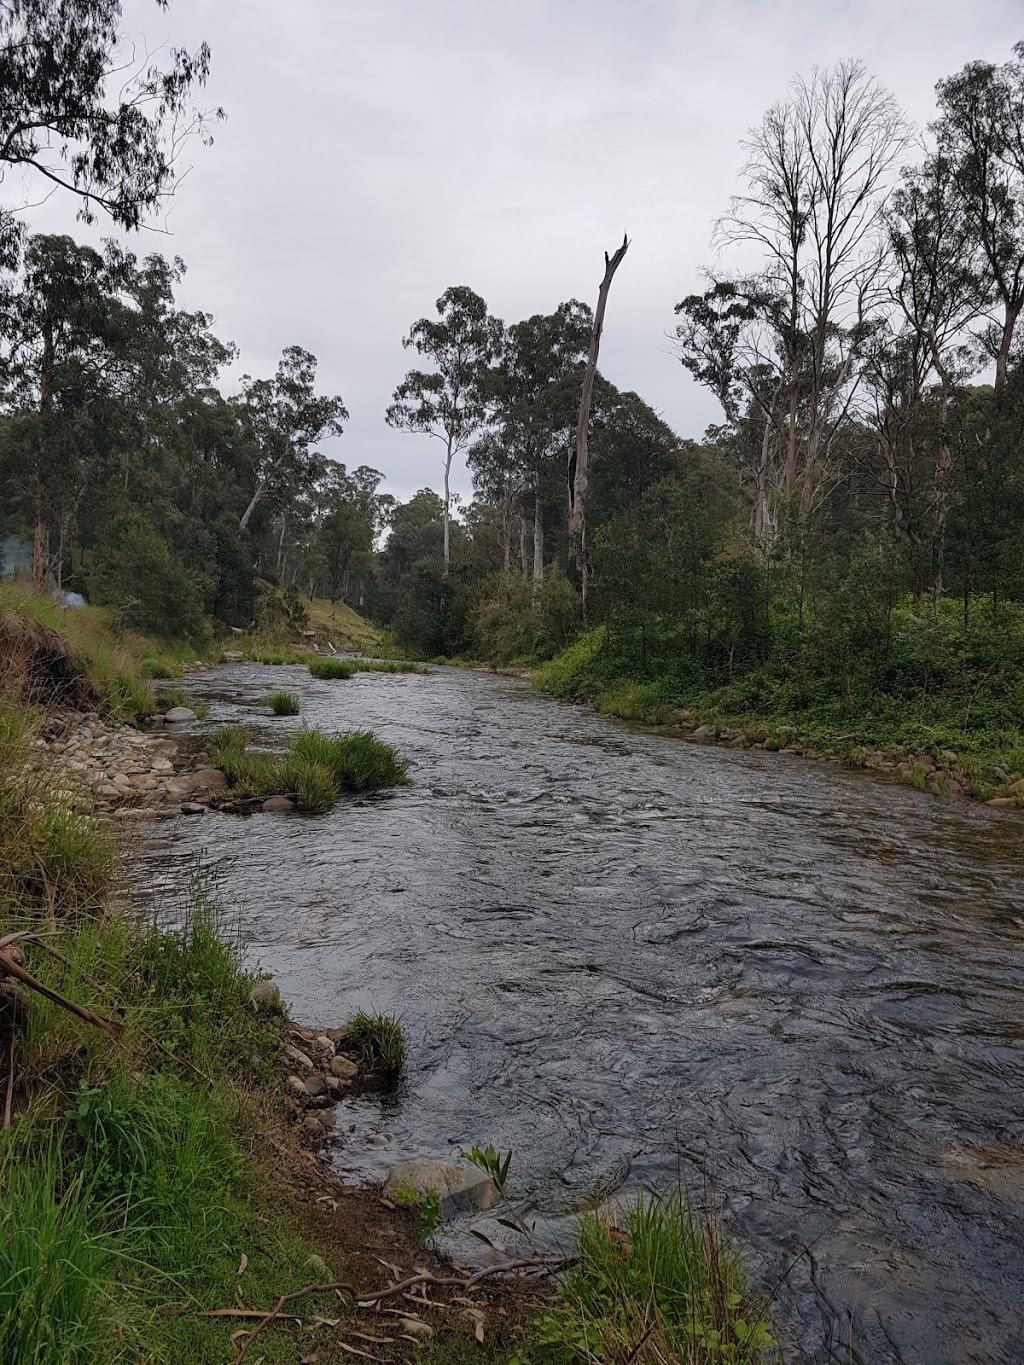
{"x": 260, "y": 490}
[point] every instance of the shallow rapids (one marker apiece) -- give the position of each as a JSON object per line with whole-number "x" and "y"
{"x": 622, "y": 956}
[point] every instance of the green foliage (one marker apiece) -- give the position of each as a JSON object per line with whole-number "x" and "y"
{"x": 332, "y": 668}
{"x": 315, "y": 767}
{"x": 664, "y": 1287}
{"x": 491, "y": 1161}
{"x": 379, "y": 1043}
{"x": 284, "y": 704}
{"x": 136, "y": 574}
{"x": 56, "y": 1258}
{"x": 427, "y": 1207}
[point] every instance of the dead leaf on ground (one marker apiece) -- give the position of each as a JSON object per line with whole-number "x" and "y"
{"x": 243, "y": 1263}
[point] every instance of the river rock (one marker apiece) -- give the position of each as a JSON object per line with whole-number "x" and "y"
{"x": 265, "y": 994}
{"x": 704, "y": 733}
{"x": 177, "y": 714}
{"x": 208, "y": 780}
{"x": 278, "y": 803}
{"x": 1002, "y": 801}
{"x": 1016, "y": 787}
{"x": 323, "y": 1044}
{"x": 459, "y": 1185}
{"x": 343, "y": 1069}
{"x": 315, "y": 1086}
{"x": 299, "y": 1058}
{"x": 311, "y": 1127}
{"x": 297, "y": 1086}
{"x": 192, "y": 808}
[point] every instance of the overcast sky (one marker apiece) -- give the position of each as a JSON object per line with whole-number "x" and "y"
{"x": 376, "y": 152}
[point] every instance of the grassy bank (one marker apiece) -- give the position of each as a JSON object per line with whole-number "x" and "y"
{"x": 52, "y": 653}
{"x": 950, "y": 719}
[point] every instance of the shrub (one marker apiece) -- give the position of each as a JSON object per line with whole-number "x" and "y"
{"x": 284, "y": 704}
{"x": 332, "y": 668}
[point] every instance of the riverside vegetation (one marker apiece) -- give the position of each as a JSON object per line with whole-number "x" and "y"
{"x": 144, "y": 1123}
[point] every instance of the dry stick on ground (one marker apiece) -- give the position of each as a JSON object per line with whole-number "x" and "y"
{"x": 422, "y": 1277}
{"x": 268, "y": 1318}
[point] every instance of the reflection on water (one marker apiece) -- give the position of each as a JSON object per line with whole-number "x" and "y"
{"x": 617, "y": 954}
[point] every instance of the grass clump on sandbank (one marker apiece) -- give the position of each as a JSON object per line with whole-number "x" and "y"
{"x": 663, "y": 1287}
{"x": 379, "y": 1043}
{"x": 315, "y": 769}
{"x": 284, "y": 704}
{"x": 347, "y": 668}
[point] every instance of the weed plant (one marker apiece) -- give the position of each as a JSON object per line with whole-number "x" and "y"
{"x": 663, "y": 1288}
{"x": 284, "y": 704}
{"x": 379, "y": 1043}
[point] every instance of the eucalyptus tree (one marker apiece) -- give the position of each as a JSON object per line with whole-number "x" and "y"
{"x": 448, "y": 402}
{"x": 536, "y": 405}
{"x": 980, "y": 131}
{"x": 286, "y": 418}
{"x": 80, "y": 114}
{"x": 819, "y": 167}
{"x": 940, "y": 293}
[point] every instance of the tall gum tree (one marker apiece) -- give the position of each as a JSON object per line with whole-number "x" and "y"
{"x": 980, "y": 133}
{"x": 448, "y": 403}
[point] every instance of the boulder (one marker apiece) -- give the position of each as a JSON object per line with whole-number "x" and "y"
{"x": 315, "y": 1086}
{"x": 177, "y": 714}
{"x": 278, "y": 803}
{"x": 343, "y": 1069}
{"x": 459, "y": 1185}
{"x": 266, "y": 994}
{"x": 1016, "y": 787}
{"x": 704, "y": 733}
{"x": 208, "y": 780}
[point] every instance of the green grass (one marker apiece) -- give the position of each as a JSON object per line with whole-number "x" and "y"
{"x": 315, "y": 768}
{"x": 389, "y": 666}
{"x": 379, "y": 1043}
{"x": 332, "y": 668}
{"x": 284, "y": 704}
{"x": 664, "y": 1287}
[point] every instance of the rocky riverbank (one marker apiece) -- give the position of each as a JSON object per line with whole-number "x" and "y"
{"x": 131, "y": 773}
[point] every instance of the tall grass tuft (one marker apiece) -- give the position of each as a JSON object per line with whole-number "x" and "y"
{"x": 313, "y": 767}
{"x": 379, "y": 1043}
{"x": 332, "y": 668}
{"x": 284, "y": 704}
{"x": 55, "y": 1258}
{"x": 663, "y": 1288}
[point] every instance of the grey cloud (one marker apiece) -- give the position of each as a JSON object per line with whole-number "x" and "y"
{"x": 377, "y": 152}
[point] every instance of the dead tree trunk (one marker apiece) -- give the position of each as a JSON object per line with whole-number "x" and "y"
{"x": 538, "y": 544}
{"x": 578, "y": 458}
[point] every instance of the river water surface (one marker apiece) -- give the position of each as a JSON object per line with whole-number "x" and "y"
{"x": 623, "y": 956}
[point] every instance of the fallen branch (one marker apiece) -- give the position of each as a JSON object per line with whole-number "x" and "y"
{"x": 548, "y": 1263}
{"x": 268, "y": 1318}
{"x": 12, "y": 968}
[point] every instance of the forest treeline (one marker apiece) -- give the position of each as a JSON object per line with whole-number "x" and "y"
{"x": 852, "y": 528}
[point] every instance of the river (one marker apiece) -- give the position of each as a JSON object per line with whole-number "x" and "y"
{"x": 624, "y": 956}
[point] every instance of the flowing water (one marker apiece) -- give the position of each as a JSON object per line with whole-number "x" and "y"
{"x": 625, "y": 956}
